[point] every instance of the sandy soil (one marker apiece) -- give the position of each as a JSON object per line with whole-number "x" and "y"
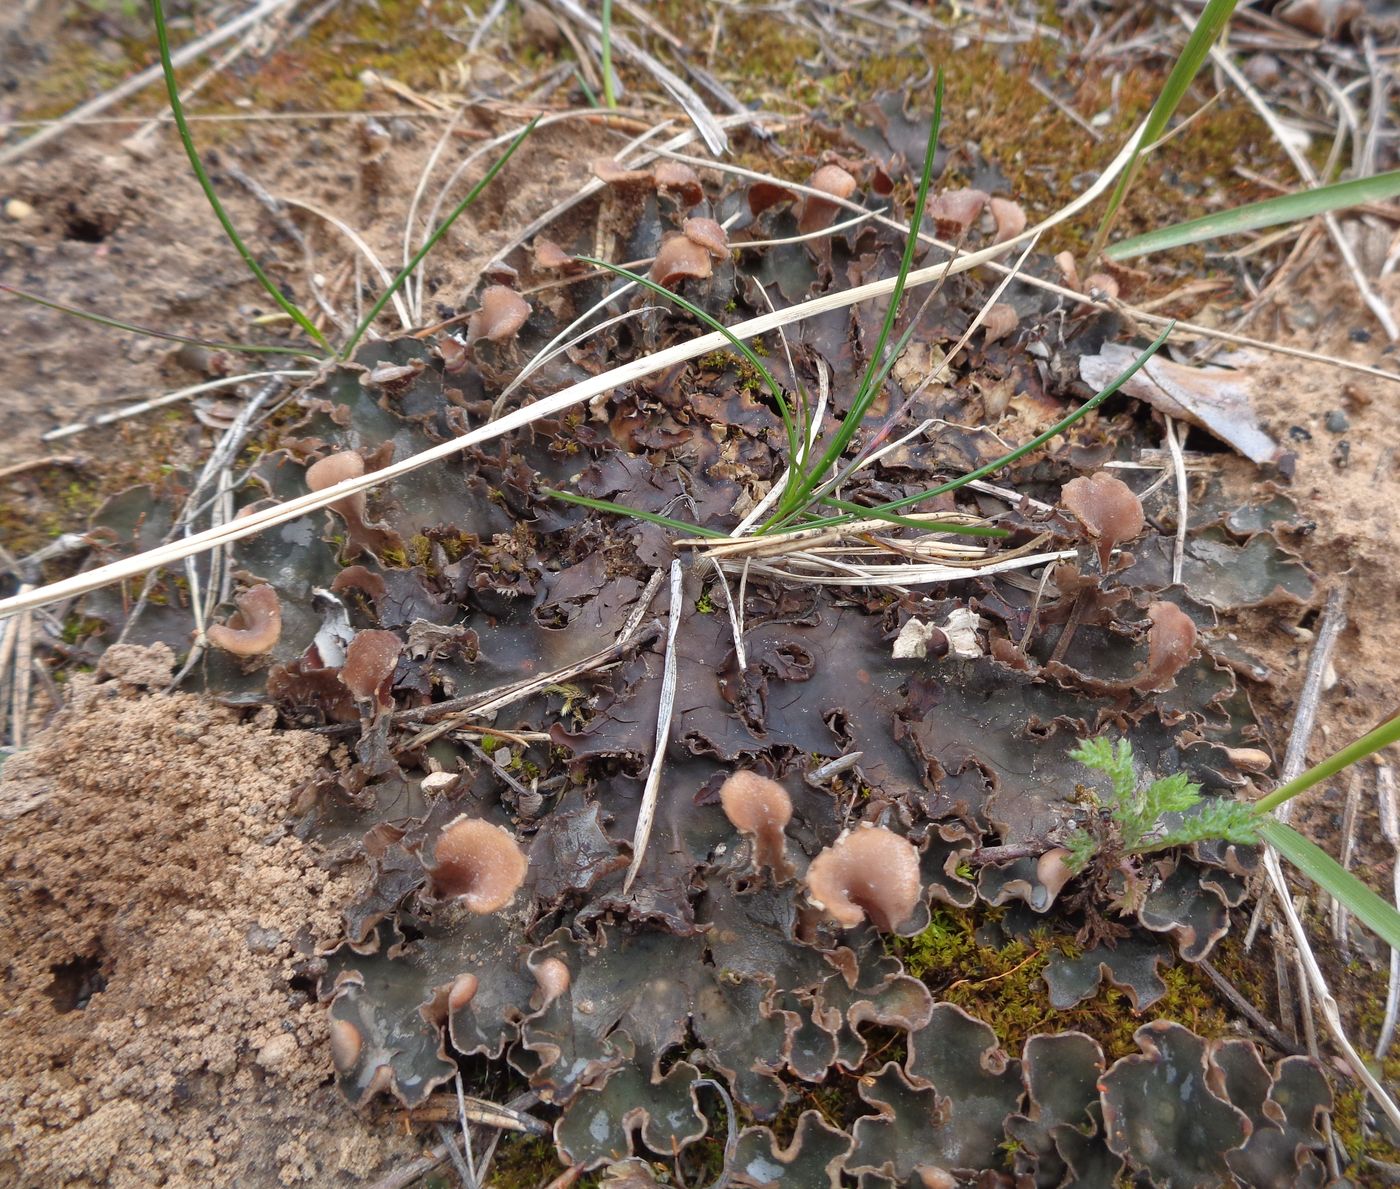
{"x": 156, "y": 909}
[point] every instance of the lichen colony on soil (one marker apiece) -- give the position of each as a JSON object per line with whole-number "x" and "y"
{"x": 781, "y": 943}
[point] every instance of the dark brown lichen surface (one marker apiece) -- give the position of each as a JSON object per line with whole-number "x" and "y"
{"x": 779, "y": 941}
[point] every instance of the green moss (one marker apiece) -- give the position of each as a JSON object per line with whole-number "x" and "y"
{"x": 524, "y": 1162}
{"x": 1005, "y": 986}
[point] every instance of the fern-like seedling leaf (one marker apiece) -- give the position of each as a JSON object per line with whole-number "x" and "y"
{"x": 1082, "y": 847}
{"x": 1232, "y": 821}
{"x": 1172, "y": 794}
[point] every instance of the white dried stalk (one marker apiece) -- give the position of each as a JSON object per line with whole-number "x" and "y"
{"x": 138, "y": 82}
{"x": 1340, "y": 916}
{"x": 170, "y": 398}
{"x": 820, "y": 571}
{"x": 710, "y": 129}
{"x": 1390, "y": 828}
{"x": 647, "y": 814}
{"x": 1183, "y": 510}
{"x": 1373, "y": 302}
{"x": 385, "y": 276}
{"x": 1138, "y": 313}
{"x": 1321, "y": 995}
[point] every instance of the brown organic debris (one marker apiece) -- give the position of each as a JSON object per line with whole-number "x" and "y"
{"x": 760, "y": 808}
{"x": 477, "y": 864}
{"x": 254, "y": 628}
{"x": 1219, "y": 400}
{"x": 1108, "y": 510}
{"x": 870, "y": 872}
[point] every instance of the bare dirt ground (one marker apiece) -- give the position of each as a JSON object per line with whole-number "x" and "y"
{"x": 156, "y": 910}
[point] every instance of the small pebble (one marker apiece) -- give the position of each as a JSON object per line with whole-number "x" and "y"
{"x": 276, "y": 1051}
{"x": 1359, "y": 335}
{"x": 1299, "y": 434}
{"x": 18, "y": 210}
{"x": 1337, "y": 422}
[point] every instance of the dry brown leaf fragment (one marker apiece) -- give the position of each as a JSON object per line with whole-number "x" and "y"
{"x": 1218, "y": 400}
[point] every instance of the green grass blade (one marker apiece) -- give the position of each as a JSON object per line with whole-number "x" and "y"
{"x": 859, "y": 512}
{"x": 609, "y": 83}
{"x": 1335, "y": 880}
{"x": 794, "y": 499}
{"x": 1020, "y": 452}
{"x": 795, "y": 443}
{"x": 177, "y": 109}
{"x": 407, "y": 270}
{"x": 1286, "y": 208}
{"x": 132, "y": 328}
{"x": 1370, "y": 743}
{"x": 1208, "y": 27}
{"x": 584, "y": 501}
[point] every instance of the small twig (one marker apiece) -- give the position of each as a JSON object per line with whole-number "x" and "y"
{"x": 735, "y": 613}
{"x": 824, "y": 772}
{"x": 1248, "y": 1010}
{"x": 1329, "y": 630}
{"x": 647, "y": 814}
{"x": 466, "y": 1132}
{"x": 33, "y": 464}
{"x": 463, "y": 710}
{"x": 463, "y": 1169}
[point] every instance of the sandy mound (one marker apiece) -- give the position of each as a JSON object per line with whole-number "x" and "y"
{"x": 155, "y": 909}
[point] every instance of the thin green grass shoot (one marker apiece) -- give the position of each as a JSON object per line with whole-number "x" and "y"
{"x": 133, "y": 328}
{"x": 1286, "y": 208}
{"x": 407, "y": 271}
{"x": 177, "y": 109}
{"x": 1013, "y": 455}
{"x": 1208, "y": 28}
{"x": 609, "y": 82}
{"x": 796, "y": 434}
{"x": 798, "y": 499}
{"x": 1370, "y": 743}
